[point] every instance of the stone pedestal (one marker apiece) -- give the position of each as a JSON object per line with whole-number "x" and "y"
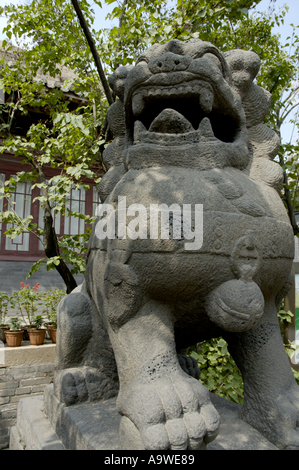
{"x": 44, "y": 423}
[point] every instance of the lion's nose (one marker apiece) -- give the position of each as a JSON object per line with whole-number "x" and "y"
{"x": 169, "y": 62}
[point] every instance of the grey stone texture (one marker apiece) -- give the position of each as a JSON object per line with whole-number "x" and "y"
{"x": 26, "y": 354}
{"x": 44, "y": 423}
{"x": 33, "y": 431}
{"x": 18, "y": 382}
{"x": 188, "y": 130}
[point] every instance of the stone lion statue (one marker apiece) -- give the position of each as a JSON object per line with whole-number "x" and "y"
{"x": 188, "y": 131}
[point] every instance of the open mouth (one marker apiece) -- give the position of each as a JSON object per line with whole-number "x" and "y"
{"x": 191, "y": 111}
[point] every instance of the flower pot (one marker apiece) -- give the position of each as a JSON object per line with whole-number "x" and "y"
{"x": 52, "y": 331}
{"x": 36, "y": 337}
{"x": 25, "y": 335}
{"x": 3, "y": 328}
{"x": 13, "y": 338}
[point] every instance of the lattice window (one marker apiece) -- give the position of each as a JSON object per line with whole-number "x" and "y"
{"x": 96, "y": 200}
{"x": 21, "y": 200}
{"x": 27, "y": 246}
{"x": 76, "y": 203}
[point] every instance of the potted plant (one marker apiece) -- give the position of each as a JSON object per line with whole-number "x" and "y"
{"x": 4, "y": 301}
{"x": 52, "y": 325}
{"x": 51, "y": 300}
{"x": 14, "y": 335}
{"x": 36, "y": 334}
{"x": 26, "y": 302}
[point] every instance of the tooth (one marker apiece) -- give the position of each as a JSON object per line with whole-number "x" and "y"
{"x": 205, "y": 128}
{"x": 137, "y": 104}
{"x": 206, "y": 99}
{"x": 139, "y": 129}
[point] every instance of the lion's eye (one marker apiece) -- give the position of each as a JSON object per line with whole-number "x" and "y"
{"x": 214, "y": 58}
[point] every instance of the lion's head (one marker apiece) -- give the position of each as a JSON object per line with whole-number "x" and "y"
{"x": 187, "y": 104}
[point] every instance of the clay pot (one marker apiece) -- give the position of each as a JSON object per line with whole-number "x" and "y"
{"x": 52, "y": 331}
{"x": 36, "y": 337}
{"x": 2, "y": 333}
{"x": 25, "y": 335}
{"x": 13, "y": 338}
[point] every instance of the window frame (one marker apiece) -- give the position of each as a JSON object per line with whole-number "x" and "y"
{"x": 10, "y": 165}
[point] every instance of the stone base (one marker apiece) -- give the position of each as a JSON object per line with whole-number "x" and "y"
{"x": 46, "y": 424}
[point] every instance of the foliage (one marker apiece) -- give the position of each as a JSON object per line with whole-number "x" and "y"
{"x": 285, "y": 318}
{"x": 14, "y": 324}
{"x": 4, "y": 301}
{"x": 66, "y": 137}
{"x": 51, "y": 299}
{"x": 291, "y": 348}
{"x": 26, "y": 301}
{"x": 219, "y": 372}
{"x": 36, "y": 322}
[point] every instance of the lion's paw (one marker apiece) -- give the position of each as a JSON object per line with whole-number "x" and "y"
{"x": 171, "y": 412}
{"x": 276, "y": 418}
{"x": 81, "y": 384}
{"x": 189, "y": 365}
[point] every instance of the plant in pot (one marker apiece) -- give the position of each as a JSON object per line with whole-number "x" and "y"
{"x": 4, "y": 301}
{"x": 14, "y": 335}
{"x": 26, "y": 302}
{"x": 51, "y": 300}
{"x": 52, "y": 325}
{"x": 36, "y": 334}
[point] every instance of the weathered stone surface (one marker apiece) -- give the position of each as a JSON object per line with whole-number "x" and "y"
{"x": 33, "y": 431}
{"x": 94, "y": 426}
{"x": 21, "y": 381}
{"x": 188, "y": 131}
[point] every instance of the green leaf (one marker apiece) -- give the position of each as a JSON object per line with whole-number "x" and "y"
{"x": 244, "y": 10}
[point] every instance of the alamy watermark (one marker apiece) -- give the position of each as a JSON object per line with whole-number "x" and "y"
{"x": 160, "y": 221}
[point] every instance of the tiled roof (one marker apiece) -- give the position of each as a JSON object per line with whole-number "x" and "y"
{"x": 64, "y": 81}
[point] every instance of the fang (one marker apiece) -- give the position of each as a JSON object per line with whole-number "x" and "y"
{"x": 205, "y": 128}
{"x": 206, "y": 100}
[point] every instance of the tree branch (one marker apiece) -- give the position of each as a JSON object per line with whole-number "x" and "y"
{"x": 51, "y": 246}
{"x": 93, "y": 51}
{"x": 284, "y": 116}
{"x": 124, "y": 6}
{"x": 293, "y": 92}
{"x": 288, "y": 200}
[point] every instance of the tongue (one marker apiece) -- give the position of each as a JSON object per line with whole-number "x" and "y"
{"x": 171, "y": 122}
